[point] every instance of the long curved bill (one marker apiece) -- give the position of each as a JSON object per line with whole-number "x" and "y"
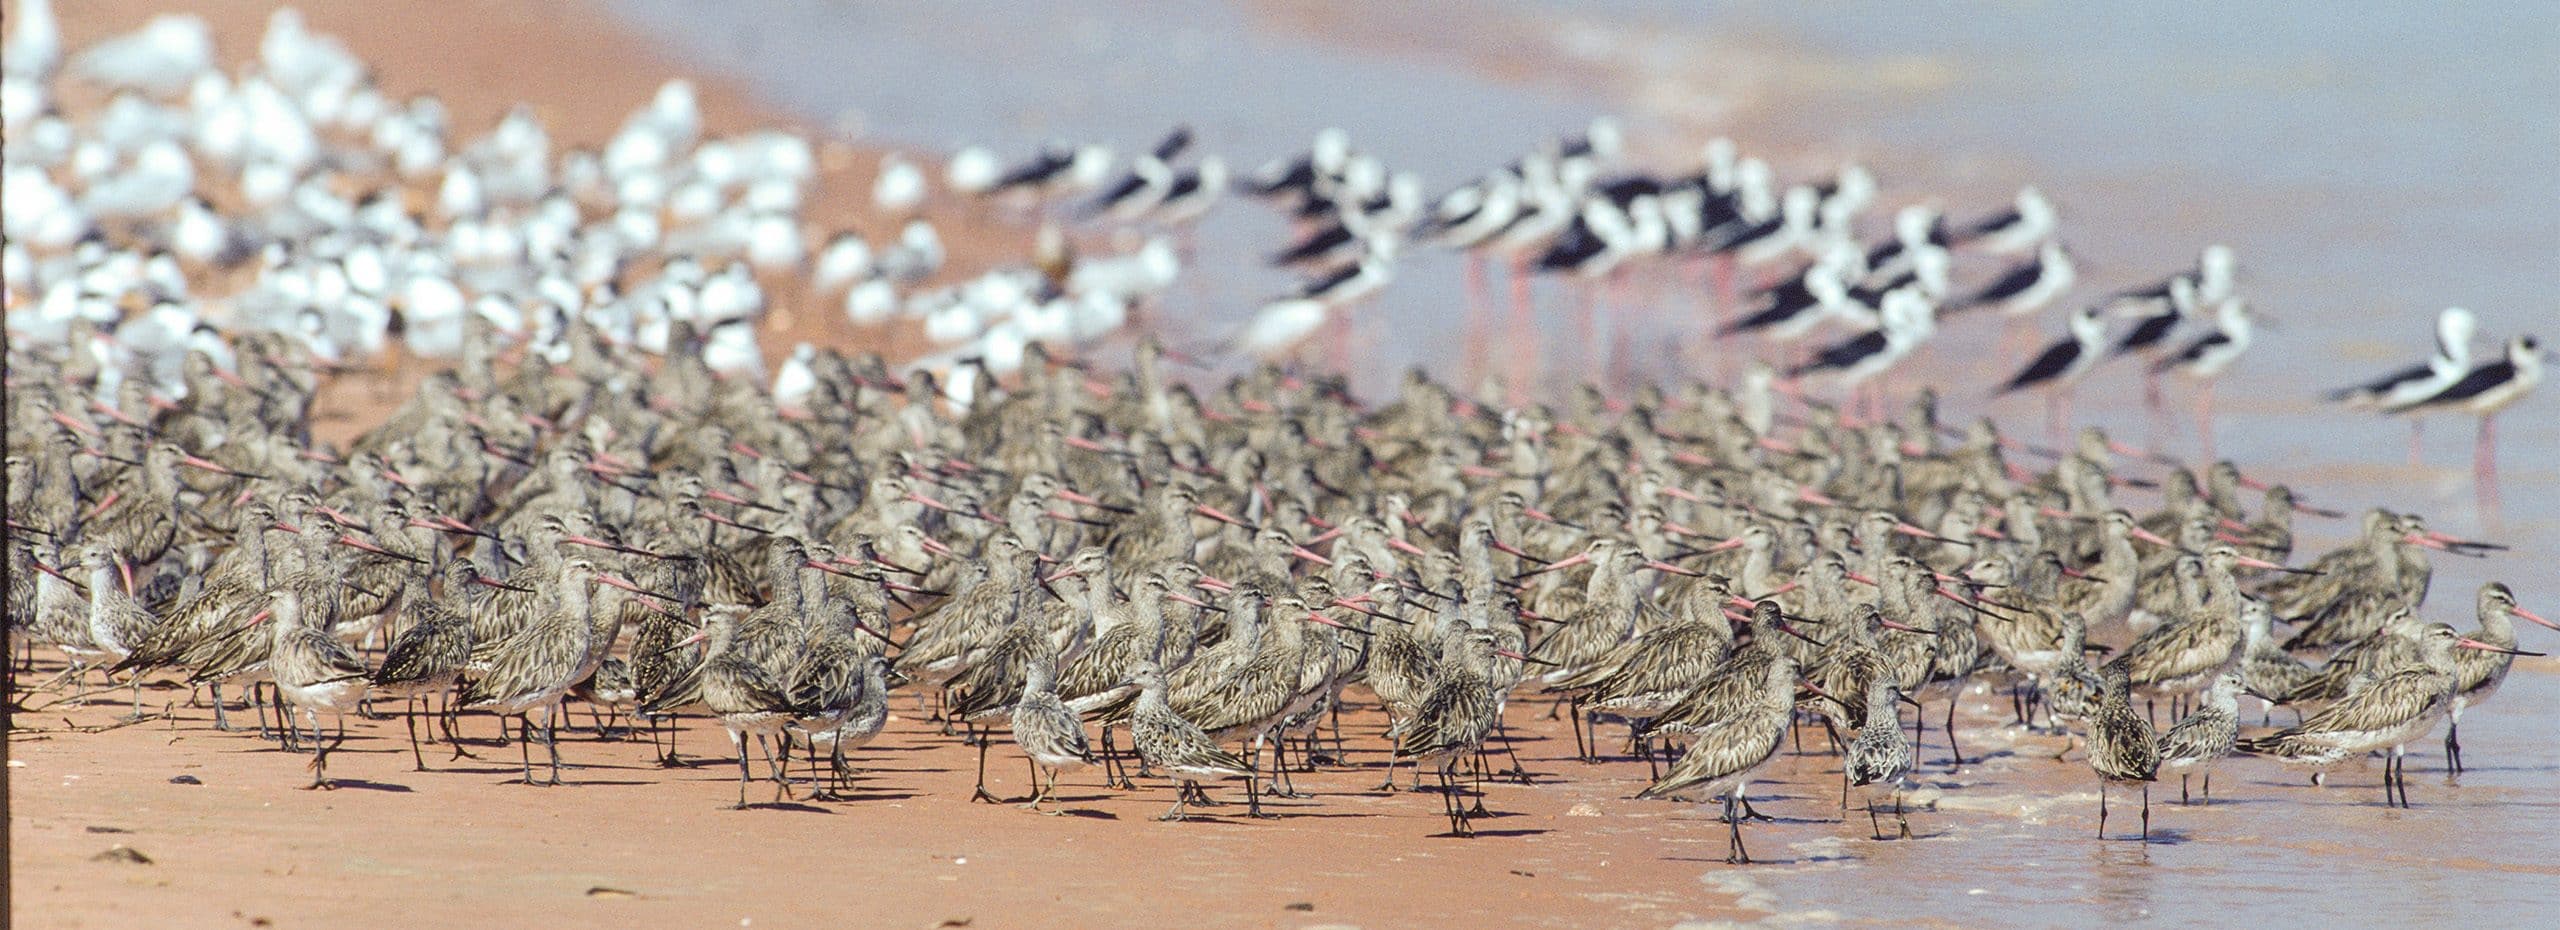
{"x": 350, "y": 541}
{"x": 1570, "y": 561}
{"x": 2530, "y": 615}
{"x": 2469, "y": 643}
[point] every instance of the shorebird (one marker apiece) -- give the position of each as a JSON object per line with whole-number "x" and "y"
{"x": 1648, "y": 675}
{"x": 2206, "y": 357}
{"x": 1180, "y": 748}
{"x": 2399, "y": 705}
{"x": 1722, "y": 759}
{"x": 2477, "y": 674}
{"x": 2028, "y": 223}
{"x": 117, "y": 623}
{"x": 430, "y": 653}
{"x": 313, "y": 670}
{"x": 1050, "y": 734}
{"x": 2402, "y": 387}
{"x": 2484, "y": 392}
{"x": 2122, "y": 747}
{"x": 738, "y": 692}
{"x": 1905, "y": 320}
{"x": 2203, "y": 737}
{"x": 2028, "y": 287}
{"x": 531, "y": 670}
{"x": 2060, "y": 366}
{"x": 1880, "y": 758}
{"x": 2185, "y": 656}
{"x": 1453, "y": 719}
{"x": 2159, "y": 308}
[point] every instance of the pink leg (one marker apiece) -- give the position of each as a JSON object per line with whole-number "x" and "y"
{"x": 2417, "y": 426}
{"x": 1586, "y": 312}
{"x": 2204, "y": 418}
{"x": 1337, "y": 340}
{"x": 1524, "y": 345}
{"x": 1472, "y": 338}
{"x": 2484, "y": 467}
{"x": 1615, "y": 345}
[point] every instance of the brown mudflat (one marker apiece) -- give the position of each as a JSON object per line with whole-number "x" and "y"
{"x": 627, "y": 839}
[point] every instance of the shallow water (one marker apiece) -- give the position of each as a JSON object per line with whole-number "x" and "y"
{"x": 2369, "y": 169}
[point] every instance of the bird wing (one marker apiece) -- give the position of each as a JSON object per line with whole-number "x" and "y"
{"x": 1731, "y": 751}
{"x": 2055, "y": 360}
{"x": 1844, "y": 353}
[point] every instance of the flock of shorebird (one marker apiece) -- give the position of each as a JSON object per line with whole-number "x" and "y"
{"x": 1035, "y": 541}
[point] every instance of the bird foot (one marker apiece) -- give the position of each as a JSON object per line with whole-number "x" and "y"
{"x": 983, "y": 795}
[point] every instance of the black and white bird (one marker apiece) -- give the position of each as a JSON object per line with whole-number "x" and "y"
{"x": 1467, "y": 217}
{"x": 1192, "y": 193}
{"x": 2411, "y": 385}
{"x": 1904, "y": 320}
{"x": 2156, "y": 310}
{"x": 1776, "y": 236}
{"x": 2404, "y": 388}
{"x": 2027, "y": 224}
{"x": 1358, "y": 279}
{"x": 1138, "y": 191}
{"x": 1057, "y": 171}
{"x": 1606, "y": 235}
{"x": 1916, "y": 228}
{"x": 1794, "y": 307}
{"x": 2206, "y": 357}
{"x": 2028, "y": 287}
{"x": 2483, "y": 393}
{"x": 1596, "y": 146}
{"x": 2061, "y": 364}
{"x": 1292, "y": 181}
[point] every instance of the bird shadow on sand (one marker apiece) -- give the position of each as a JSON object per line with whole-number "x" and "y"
{"x": 1479, "y": 834}
{"x": 790, "y": 806}
{"x": 860, "y": 797}
{"x": 359, "y": 784}
{"x": 1087, "y": 813}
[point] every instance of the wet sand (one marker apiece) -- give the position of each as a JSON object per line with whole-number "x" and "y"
{"x": 630, "y": 841}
